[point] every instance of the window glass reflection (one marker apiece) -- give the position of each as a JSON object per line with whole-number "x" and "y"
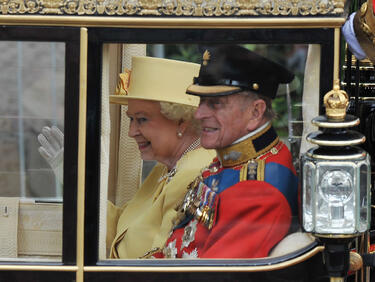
{"x": 32, "y": 94}
{"x": 289, "y": 127}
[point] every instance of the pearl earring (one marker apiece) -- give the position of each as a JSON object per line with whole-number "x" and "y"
{"x": 179, "y": 134}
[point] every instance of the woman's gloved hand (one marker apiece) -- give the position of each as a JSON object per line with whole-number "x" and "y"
{"x": 51, "y": 140}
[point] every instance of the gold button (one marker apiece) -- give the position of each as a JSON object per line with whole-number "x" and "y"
{"x": 255, "y": 86}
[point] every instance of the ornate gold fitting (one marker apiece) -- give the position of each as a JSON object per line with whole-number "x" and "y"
{"x": 363, "y": 9}
{"x": 123, "y": 83}
{"x": 355, "y": 261}
{"x": 365, "y": 25}
{"x": 364, "y": 28}
{"x": 336, "y": 102}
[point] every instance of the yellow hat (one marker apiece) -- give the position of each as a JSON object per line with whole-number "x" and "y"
{"x": 156, "y": 79}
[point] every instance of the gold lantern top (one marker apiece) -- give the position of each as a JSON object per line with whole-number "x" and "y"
{"x": 336, "y": 102}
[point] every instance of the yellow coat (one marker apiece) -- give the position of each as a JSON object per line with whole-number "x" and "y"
{"x": 146, "y": 221}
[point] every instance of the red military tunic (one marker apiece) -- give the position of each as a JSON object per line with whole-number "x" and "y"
{"x": 242, "y": 205}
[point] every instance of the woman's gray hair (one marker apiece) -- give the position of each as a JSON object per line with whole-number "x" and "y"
{"x": 178, "y": 112}
{"x": 269, "y": 113}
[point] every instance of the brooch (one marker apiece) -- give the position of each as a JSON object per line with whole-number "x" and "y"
{"x": 168, "y": 175}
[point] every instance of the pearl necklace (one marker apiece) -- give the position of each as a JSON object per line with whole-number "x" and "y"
{"x": 192, "y": 147}
{"x": 168, "y": 176}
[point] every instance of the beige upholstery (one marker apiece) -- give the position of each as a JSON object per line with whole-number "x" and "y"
{"x": 40, "y": 229}
{"x": 292, "y": 242}
{"x": 30, "y": 229}
{"x": 8, "y": 227}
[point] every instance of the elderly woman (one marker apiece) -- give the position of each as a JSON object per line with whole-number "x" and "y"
{"x": 162, "y": 124}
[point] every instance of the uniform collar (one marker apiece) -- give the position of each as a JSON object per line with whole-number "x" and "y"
{"x": 248, "y": 147}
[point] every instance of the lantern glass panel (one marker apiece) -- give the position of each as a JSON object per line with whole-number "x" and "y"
{"x": 364, "y": 214}
{"x": 335, "y": 198}
{"x": 308, "y": 195}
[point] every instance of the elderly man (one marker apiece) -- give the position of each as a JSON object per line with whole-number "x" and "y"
{"x": 243, "y": 203}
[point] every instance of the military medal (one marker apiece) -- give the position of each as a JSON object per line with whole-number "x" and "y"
{"x": 199, "y": 202}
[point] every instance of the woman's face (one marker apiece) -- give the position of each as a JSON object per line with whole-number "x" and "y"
{"x": 155, "y": 135}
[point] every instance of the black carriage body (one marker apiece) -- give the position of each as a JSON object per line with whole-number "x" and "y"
{"x": 84, "y": 38}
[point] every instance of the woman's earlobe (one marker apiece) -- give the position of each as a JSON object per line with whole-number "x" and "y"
{"x": 182, "y": 126}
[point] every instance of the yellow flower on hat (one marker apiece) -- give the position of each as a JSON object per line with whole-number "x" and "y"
{"x": 123, "y": 83}
{"x": 156, "y": 79}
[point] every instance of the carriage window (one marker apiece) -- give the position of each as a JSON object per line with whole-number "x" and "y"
{"x": 32, "y": 98}
{"x": 131, "y": 222}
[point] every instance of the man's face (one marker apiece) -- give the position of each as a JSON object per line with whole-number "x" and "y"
{"x": 223, "y": 120}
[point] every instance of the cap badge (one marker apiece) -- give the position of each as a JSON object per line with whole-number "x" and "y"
{"x": 206, "y": 57}
{"x": 255, "y": 86}
{"x": 123, "y": 83}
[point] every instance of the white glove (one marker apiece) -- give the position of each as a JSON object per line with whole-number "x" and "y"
{"x": 52, "y": 149}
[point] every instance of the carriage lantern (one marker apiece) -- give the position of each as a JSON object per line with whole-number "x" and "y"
{"x": 336, "y": 182}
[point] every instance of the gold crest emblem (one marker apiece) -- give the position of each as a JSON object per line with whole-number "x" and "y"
{"x": 206, "y": 57}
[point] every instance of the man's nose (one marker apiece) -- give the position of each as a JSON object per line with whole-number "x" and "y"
{"x": 202, "y": 111}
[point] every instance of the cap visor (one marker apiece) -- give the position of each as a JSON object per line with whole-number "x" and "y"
{"x": 212, "y": 90}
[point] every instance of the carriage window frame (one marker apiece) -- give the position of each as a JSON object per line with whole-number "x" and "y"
{"x": 71, "y": 37}
{"x": 99, "y": 36}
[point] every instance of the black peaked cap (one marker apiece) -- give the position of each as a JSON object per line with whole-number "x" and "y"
{"x": 227, "y": 70}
